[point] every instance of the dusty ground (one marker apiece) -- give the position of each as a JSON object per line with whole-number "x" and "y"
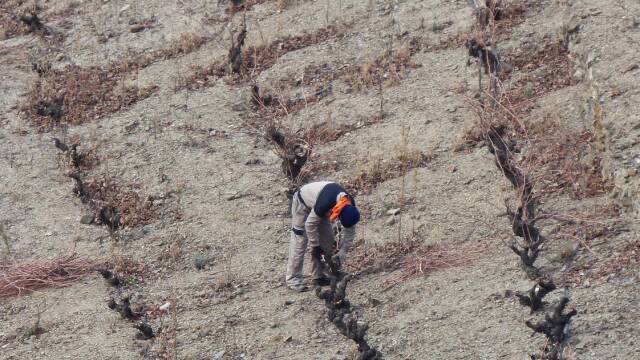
{"x": 217, "y": 190}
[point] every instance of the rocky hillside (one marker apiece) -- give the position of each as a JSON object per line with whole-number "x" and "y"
{"x": 149, "y": 148}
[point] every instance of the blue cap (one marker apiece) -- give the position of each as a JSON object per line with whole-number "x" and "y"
{"x": 349, "y": 216}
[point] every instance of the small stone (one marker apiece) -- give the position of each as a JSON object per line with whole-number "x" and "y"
{"x": 165, "y": 307}
{"x": 288, "y": 339}
{"x": 390, "y": 221}
{"x": 273, "y": 325}
{"x": 578, "y": 75}
{"x": 86, "y": 219}
{"x": 288, "y": 302}
{"x": 253, "y": 162}
{"x": 393, "y": 211}
{"x": 452, "y": 109}
{"x": 135, "y": 28}
{"x": 630, "y": 22}
{"x": 630, "y": 68}
{"x": 218, "y": 355}
{"x": 238, "y": 107}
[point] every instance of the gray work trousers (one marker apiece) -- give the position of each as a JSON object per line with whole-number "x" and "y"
{"x": 298, "y": 244}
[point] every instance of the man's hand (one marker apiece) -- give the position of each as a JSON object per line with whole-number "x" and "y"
{"x": 337, "y": 261}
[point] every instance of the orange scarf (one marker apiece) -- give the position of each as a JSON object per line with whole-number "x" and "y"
{"x": 335, "y": 212}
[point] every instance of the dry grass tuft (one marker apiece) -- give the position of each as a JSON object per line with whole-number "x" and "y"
{"x": 10, "y": 26}
{"x": 387, "y": 257}
{"x": 328, "y": 131}
{"x": 388, "y": 70}
{"x": 543, "y": 71}
{"x": 236, "y": 6}
{"x": 202, "y": 76}
{"x": 623, "y": 262}
{"x": 601, "y": 223}
{"x": 78, "y": 95}
{"x": 20, "y": 279}
{"x": 257, "y": 59}
{"x": 186, "y": 43}
{"x": 566, "y": 161}
{"x": 505, "y": 19}
{"x": 626, "y": 259}
{"x": 283, "y": 107}
{"x": 437, "y": 257}
{"x": 111, "y": 203}
{"x": 451, "y": 42}
{"x": 383, "y": 170}
{"x": 512, "y": 15}
{"x": 260, "y": 58}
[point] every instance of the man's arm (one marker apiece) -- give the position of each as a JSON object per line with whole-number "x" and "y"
{"x": 348, "y": 235}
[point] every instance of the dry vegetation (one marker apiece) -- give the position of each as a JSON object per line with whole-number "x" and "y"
{"x": 328, "y": 131}
{"x": 256, "y": 59}
{"x": 565, "y": 159}
{"x": 498, "y": 26}
{"x": 588, "y": 229}
{"x": 186, "y": 43}
{"x": 301, "y": 169}
{"x": 626, "y": 259}
{"x": 500, "y": 126}
{"x": 437, "y": 257}
{"x": 201, "y": 76}
{"x": 236, "y": 6}
{"x": 10, "y": 23}
{"x": 600, "y": 223}
{"x": 387, "y": 257}
{"x": 260, "y": 58}
{"x": 278, "y": 108}
{"x": 22, "y": 278}
{"x": 76, "y": 95}
{"x": 113, "y": 204}
{"x": 387, "y": 69}
{"x": 18, "y": 18}
{"x": 383, "y": 170}
{"x": 541, "y": 72}
{"x": 513, "y": 14}
{"x": 412, "y": 257}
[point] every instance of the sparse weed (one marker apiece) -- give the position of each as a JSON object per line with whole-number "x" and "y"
{"x": 382, "y": 170}
{"x": 385, "y": 69}
{"x": 35, "y": 329}
{"x": 200, "y": 260}
{"x": 5, "y": 241}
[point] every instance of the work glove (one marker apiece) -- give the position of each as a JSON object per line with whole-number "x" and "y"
{"x": 339, "y": 258}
